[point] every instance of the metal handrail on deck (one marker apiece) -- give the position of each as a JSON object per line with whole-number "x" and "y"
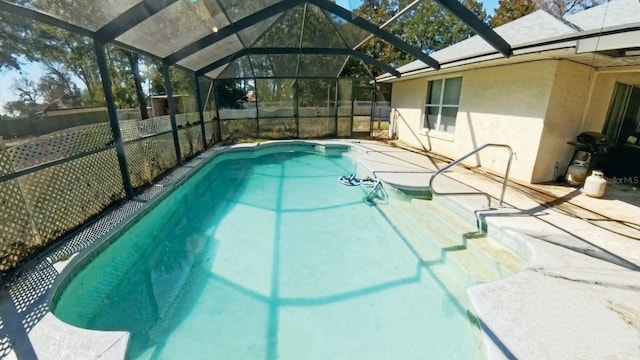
{"x": 504, "y": 183}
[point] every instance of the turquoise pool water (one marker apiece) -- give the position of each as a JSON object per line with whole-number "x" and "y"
{"x": 264, "y": 258}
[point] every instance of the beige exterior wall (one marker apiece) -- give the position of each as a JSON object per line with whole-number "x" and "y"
{"x": 563, "y": 120}
{"x": 534, "y": 107}
{"x": 407, "y": 103}
{"x": 502, "y": 104}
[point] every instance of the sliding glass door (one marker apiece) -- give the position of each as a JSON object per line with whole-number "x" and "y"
{"x": 623, "y": 119}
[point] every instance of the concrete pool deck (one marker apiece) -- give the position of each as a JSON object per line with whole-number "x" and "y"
{"x": 578, "y": 298}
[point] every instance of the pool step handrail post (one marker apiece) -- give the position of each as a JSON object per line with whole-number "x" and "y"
{"x": 378, "y": 185}
{"x": 460, "y": 159}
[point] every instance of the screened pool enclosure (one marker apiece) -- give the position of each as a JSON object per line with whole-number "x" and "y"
{"x": 100, "y": 98}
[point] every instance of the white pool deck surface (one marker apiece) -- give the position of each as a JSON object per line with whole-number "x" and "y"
{"x": 577, "y": 298}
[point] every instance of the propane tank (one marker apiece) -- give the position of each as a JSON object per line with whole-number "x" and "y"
{"x": 595, "y": 184}
{"x": 576, "y": 173}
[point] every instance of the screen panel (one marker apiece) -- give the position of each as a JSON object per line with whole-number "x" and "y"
{"x": 175, "y": 27}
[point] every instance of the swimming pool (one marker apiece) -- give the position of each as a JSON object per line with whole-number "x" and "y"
{"x": 267, "y": 256}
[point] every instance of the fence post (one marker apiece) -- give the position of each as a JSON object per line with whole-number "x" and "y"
{"x": 296, "y": 110}
{"x": 217, "y": 101}
{"x": 335, "y": 104}
{"x": 100, "y": 51}
{"x": 373, "y": 107}
{"x": 353, "y": 100}
{"x": 255, "y": 95}
{"x": 200, "y": 110}
{"x": 172, "y": 110}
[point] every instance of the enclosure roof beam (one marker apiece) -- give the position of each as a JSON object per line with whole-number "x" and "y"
{"x": 327, "y": 51}
{"x": 130, "y": 18}
{"x": 224, "y": 61}
{"x": 373, "y": 29}
{"x": 479, "y": 27}
{"x": 294, "y": 51}
{"x": 231, "y": 29}
{"x": 372, "y": 61}
{"x": 43, "y": 18}
{"x": 390, "y": 21}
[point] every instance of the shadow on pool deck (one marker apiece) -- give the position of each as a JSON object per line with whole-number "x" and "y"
{"x": 617, "y": 211}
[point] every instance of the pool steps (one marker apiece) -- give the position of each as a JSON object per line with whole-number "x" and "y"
{"x": 440, "y": 245}
{"x": 491, "y": 252}
{"x": 453, "y": 249}
{"x": 447, "y": 268}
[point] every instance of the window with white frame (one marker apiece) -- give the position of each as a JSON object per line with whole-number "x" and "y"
{"x": 441, "y": 108}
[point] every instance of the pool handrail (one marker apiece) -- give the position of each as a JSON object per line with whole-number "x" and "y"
{"x": 378, "y": 185}
{"x": 457, "y": 161}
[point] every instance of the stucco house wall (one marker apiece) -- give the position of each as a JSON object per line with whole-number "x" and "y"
{"x": 407, "y": 103}
{"x": 502, "y": 104}
{"x": 558, "y": 82}
{"x": 535, "y": 107}
{"x": 563, "y": 120}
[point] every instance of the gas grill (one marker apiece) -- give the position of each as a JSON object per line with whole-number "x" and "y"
{"x": 594, "y": 146}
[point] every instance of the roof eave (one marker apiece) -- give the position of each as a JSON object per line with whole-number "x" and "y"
{"x": 553, "y": 43}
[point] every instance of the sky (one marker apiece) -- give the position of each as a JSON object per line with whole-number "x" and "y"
{"x": 33, "y": 71}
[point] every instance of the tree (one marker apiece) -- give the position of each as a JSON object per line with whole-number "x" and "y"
{"x": 26, "y": 90}
{"x": 56, "y": 84}
{"x": 54, "y": 48}
{"x": 431, "y": 27}
{"x": 230, "y": 94}
{"x": 32, "y": 41}
{"x": 28, "y": 93}
{"x": 354, "y": 68}
{"x": 52, "y": 45}
{"x": 20, "y": 108}
{"x": 122, "y": 80}
{"x": 12, "y": 35}
{"x": 377, "y": 12}
{"x": 427, "y": 26}
{"x": 134, "y": 60}
{"x": 509, "y": 10}
{"x": 561, "y": 8}
{"x": 181, "y": 81}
